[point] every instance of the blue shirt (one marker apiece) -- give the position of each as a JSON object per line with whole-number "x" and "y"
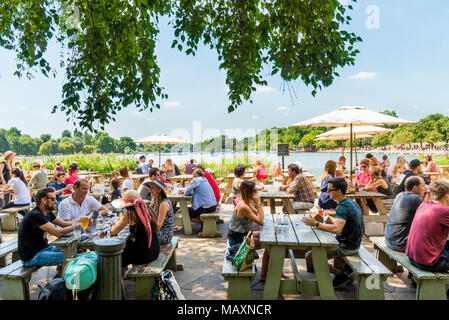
{"x": 57, "y": 187}
{"x": 203, "y": 194}
{"x": 143, "y": 166}
{"x": 325, "y": 201}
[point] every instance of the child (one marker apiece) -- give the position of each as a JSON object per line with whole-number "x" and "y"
{"x": 115, "y": 194}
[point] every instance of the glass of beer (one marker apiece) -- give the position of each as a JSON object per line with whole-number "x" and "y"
{"x": 84, "y": 222}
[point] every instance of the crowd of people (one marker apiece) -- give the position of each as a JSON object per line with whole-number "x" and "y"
{"x": 418, "y": 224}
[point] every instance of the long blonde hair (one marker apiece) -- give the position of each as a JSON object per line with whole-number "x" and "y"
{"x": 329, "y": 168}
{"x": 400, "y": 162}
{"x": 169, "y": 165}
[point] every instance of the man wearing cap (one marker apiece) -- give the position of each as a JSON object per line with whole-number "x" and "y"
{"x": 142, "y": 165}
{"x": 39, "y": 179}
{"x": 301, "y": 187}
{"x": 144, "y": 188}
{"x": 414, "y": 168}
{"x": 79, "y": 203}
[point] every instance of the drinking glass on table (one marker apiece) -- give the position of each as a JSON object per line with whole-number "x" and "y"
{"x": 84, "y": 223}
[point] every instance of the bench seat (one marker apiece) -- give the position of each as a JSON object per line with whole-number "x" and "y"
{"x": 239, "y": 283}
{"x": 145, "y": 275}
{"x": 369, "y": 273}
{"x": 6, "y": 248}
{"x": 16, "y": 280}
{"x": 429, "y": 285}
{"x": 9, "y": 222}
{"x": 209, "y": 229}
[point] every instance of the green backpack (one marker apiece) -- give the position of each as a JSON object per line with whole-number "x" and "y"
{"x": 81, "y": 272}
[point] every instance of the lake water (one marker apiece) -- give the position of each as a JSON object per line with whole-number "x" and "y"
{"x": 313, "y": 162}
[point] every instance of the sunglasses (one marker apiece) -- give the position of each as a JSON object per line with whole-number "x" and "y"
{"x": 51, "y": 198}
{"x": 363, "y": 166}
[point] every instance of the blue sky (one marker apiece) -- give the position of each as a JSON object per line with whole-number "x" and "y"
{"x": 402, "y": 66}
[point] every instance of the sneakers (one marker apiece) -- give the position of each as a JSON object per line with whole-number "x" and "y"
{"x": 340, "y": 280}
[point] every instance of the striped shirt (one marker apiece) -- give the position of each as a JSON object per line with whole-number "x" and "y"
{"x": 302, "y": 189}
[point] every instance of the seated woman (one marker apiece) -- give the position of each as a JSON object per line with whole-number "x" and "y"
{"x": 239, "y": 173}
{"x": 19, "y": 186}
{"x": 261, "y": 171}
{"x": 376, "y": 183}
{"x": 59, "y": 185}
{"x": 375, "y": 163}
{"x": 127, "y": 183}
{"x": 429, "y": 165}
{"x": 165, "y": 180}
{"x": 73, "y": 170}
{"x": 143, "y": 244}
{"x": 169, "y": 168}
{"x": 248, "y": 210}
{"x": 161, "y": 208}
{"x": 115, "y": 192}
{"x": 325, "y": 201}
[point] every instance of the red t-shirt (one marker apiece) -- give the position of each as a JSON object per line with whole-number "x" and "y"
{"x": 363, "y": 177}
{"x": 213, "y": 184}
{"x": 70, "y": 180}
{"x": 428, "y": 233}
{"x": 261, "y": 173}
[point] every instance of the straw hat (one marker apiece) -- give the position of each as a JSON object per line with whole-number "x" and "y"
{"x": 159, "y": 184}
{"x": 8, "y": 153}
{"x": 129, "y": 194}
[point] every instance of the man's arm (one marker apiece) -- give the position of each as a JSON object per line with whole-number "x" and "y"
{"x": 336, "y": 227}
{"x": 191, "y": 187}
{"x": 103, "y": 211}
{"x": 50, "y": 228}
{"x": 62, "y": 223}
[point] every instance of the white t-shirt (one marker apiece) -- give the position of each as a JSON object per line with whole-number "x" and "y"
{"x": 21, "y": 191}
{"x": 128, "y": 184}
{"x": 70, "y": 210}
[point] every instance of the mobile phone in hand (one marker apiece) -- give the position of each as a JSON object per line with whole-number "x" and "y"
{"x": 94, "y": 215}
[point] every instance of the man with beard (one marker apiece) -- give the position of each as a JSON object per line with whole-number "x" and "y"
{"x": 33, "y": 244}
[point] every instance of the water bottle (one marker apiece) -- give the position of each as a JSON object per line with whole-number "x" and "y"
{"x": 99, "y": 223}
{"x": 285, "y": 219}
{"x": 278, "y": 219}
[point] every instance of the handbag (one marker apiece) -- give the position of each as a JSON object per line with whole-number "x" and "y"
{"x": 244, "y": 257}
{"x": 166, "y": 287}
{"x": 81, "y": 272}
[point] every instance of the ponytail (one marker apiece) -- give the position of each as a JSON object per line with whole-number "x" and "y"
{"x": 19, "y": 173}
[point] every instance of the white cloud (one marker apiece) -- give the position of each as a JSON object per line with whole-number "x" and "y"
{"x": 255, "y": 117}
{"x": 172, "y": 104}
{"x": 416, "y": 107}
{"x": 283, "y": 108}
{"x": 363, "y": 76}
{"x": 264, "y": 89}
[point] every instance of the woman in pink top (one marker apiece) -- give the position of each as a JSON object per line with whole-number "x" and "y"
{"x": 363, "y": 178}
{"x": 261, "y": 171}
{"x": 429, "y": 164}
{"x": 427, "y": 244}
{"x": 73, "y": 170}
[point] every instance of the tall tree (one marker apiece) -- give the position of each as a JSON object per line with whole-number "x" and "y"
{"x": 110, "y": 46}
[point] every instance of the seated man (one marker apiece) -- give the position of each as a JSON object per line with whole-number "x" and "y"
{"x": 79, "y": 203}
{"x": 33, "y": 244}
{"x": 142, "y": 165}
{"x": 402, "y": 213}
{"x": 427, "y": 245}
{"x": 211, "y": 181}
{"x": 203, "y": 196}
{"x": 414, "y": 168}
{"x": 301, "y": 187}
{"x": 144, "y": 188}
{"x": 39, "y": 179}
{"x": 348, "y": 227}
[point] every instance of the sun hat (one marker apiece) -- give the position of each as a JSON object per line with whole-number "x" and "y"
{"x": 127, "y": 199}
{"x": 160, "y": 184}
{"x": 8, "y": 153}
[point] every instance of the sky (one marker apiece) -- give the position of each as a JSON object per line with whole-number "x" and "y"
{"x": 402, "y": 66}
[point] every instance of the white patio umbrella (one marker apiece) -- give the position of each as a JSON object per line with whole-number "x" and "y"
{"x": 160, "y": 139}
{"x": 358, "y": 130}
{"x": 346, "y": 137}
{"x": 351, "y": 116}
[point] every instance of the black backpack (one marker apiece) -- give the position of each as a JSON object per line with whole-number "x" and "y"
{"x": 54, "y": 290}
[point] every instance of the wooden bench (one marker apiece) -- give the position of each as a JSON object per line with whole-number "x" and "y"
{"x": 370, "y": 275}
{"x": 16, "y": 280}
{"x": 6, "y": 248}
{"x": 209, "y": 229}
{"x": 10, "y": 221}
{"x": 145, "y": 275}
{"x": 429, "y": 285}
{"x": 239, "y": 283}
{"x": 226, "y": 190}
{"x": 2, "y": 215}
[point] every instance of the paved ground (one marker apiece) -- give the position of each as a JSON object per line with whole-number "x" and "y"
{"x": 203, "y": 259}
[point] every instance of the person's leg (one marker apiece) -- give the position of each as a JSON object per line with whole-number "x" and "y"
{"x": 49, "y": 256}
{"x": 265, "y": 262}
{"x": 195, "y": 215}
{"x": 364, "y": 206}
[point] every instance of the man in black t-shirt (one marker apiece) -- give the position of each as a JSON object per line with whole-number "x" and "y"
{"x": 414, "y": 167}
{"x": 33, "y": 244}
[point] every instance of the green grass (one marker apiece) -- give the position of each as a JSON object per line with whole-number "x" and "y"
{"x": 227, "y": 166}
{"x": 100, "y": 163}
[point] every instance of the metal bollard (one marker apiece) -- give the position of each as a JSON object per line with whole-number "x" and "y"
{"x": 109, "y": 274}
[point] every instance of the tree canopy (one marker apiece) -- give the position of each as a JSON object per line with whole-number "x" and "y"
{"x": 108, "y": 46}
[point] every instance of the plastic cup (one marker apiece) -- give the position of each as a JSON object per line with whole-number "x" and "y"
{"x": 77, "y": 232}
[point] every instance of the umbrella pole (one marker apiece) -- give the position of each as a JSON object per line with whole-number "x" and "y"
{"x": 355, "y": 150}
{"x": 159, "y": 155}
{"x": 350, "y": 148}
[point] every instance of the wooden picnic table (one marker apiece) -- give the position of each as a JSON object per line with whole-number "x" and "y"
{"x": 2, "y": 215}
{"x": 296, "y": 235}
{"x": 66, "y": 242}
{"x": 182, "y": 200}
{"x": 375, "y": 196}
{"x": 272, "y": 193}
{"x": 183, "y": 178}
